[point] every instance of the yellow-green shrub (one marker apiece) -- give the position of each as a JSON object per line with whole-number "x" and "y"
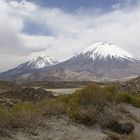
{"x": 20, "y": 115}
{"x": 4, "y": 116}
{"x": 84, "y": 105}
{"x": 126, "y": 98}
{"x": 123, "y": 97}
{"x": 56, "y": 106}
{"x": 135, "y": 101}
{"x": 93, "y": 96}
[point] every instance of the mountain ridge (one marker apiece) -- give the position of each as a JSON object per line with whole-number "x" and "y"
{"x": 115, "y": 66}
{"x": 37, "y": 63}
{"x": 99, "y": 62}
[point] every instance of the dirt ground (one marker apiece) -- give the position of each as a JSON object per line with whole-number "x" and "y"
{"x": 136, "y": 114}
{"x": 62, "y": 128}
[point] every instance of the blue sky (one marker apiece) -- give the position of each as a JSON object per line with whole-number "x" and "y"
{"x": 29, "y": 28}
{"x": 70, "y": 5}
{"x": 74, "y": 6}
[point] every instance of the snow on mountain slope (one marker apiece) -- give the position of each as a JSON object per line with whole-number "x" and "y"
{"x": 101, "y": 62}
{"x": 104, "y": 50}
{"x": 41, "y": 62}
{"x": 28, "y": 67}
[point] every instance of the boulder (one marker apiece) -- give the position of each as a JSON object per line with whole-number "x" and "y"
{"x": 121, "y": 128}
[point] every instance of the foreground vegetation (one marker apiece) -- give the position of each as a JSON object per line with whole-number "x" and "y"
{"x": 93, "y": 104}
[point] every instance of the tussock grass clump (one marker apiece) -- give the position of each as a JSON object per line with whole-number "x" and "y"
{"x": 85, "y": 116}
{"x": 93, "y": 96}
{"x": 21, "y": 115}
{"x": 52, "y": 107}
{"x": 130, "y": 99}
{"x": 135, "y": 101}
{"x": 123, "y": 97}
{"x": 85, "y": 105}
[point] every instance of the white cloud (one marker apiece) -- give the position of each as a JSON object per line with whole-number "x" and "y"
{"x": 70, "y": 32}
{"x": 116, "y": 6}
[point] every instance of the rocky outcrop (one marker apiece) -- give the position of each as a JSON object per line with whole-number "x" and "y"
{"x": 27, "y": 94}
{"x": 121, "y": 128}
{"x": 132, "y": 86}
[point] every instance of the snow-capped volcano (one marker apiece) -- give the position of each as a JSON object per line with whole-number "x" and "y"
{"x": 29, "y": 67}
{"x": 38, "y": 63}
{"x": 100, "y": 61}
{"x": 42, "y": 62}
{"x": 104, "y": 50}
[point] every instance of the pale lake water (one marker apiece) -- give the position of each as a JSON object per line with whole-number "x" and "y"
{"x": 58, "y": 92}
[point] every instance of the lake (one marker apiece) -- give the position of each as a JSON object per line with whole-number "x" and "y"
{"x": 58, "y": 92}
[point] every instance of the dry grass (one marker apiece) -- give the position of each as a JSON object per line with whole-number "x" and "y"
{"x": 130, "y": 99}
{"x": 84, "y": 106}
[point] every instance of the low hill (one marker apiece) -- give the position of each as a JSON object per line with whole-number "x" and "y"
{"x": 5, "y": 85}
{"x": 131, "y": 86}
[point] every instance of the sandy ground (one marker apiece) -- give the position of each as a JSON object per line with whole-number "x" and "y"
{"x": 133, "y": 110}
{"x": 136, "y": 114}
{"x": 64, "y": 129}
